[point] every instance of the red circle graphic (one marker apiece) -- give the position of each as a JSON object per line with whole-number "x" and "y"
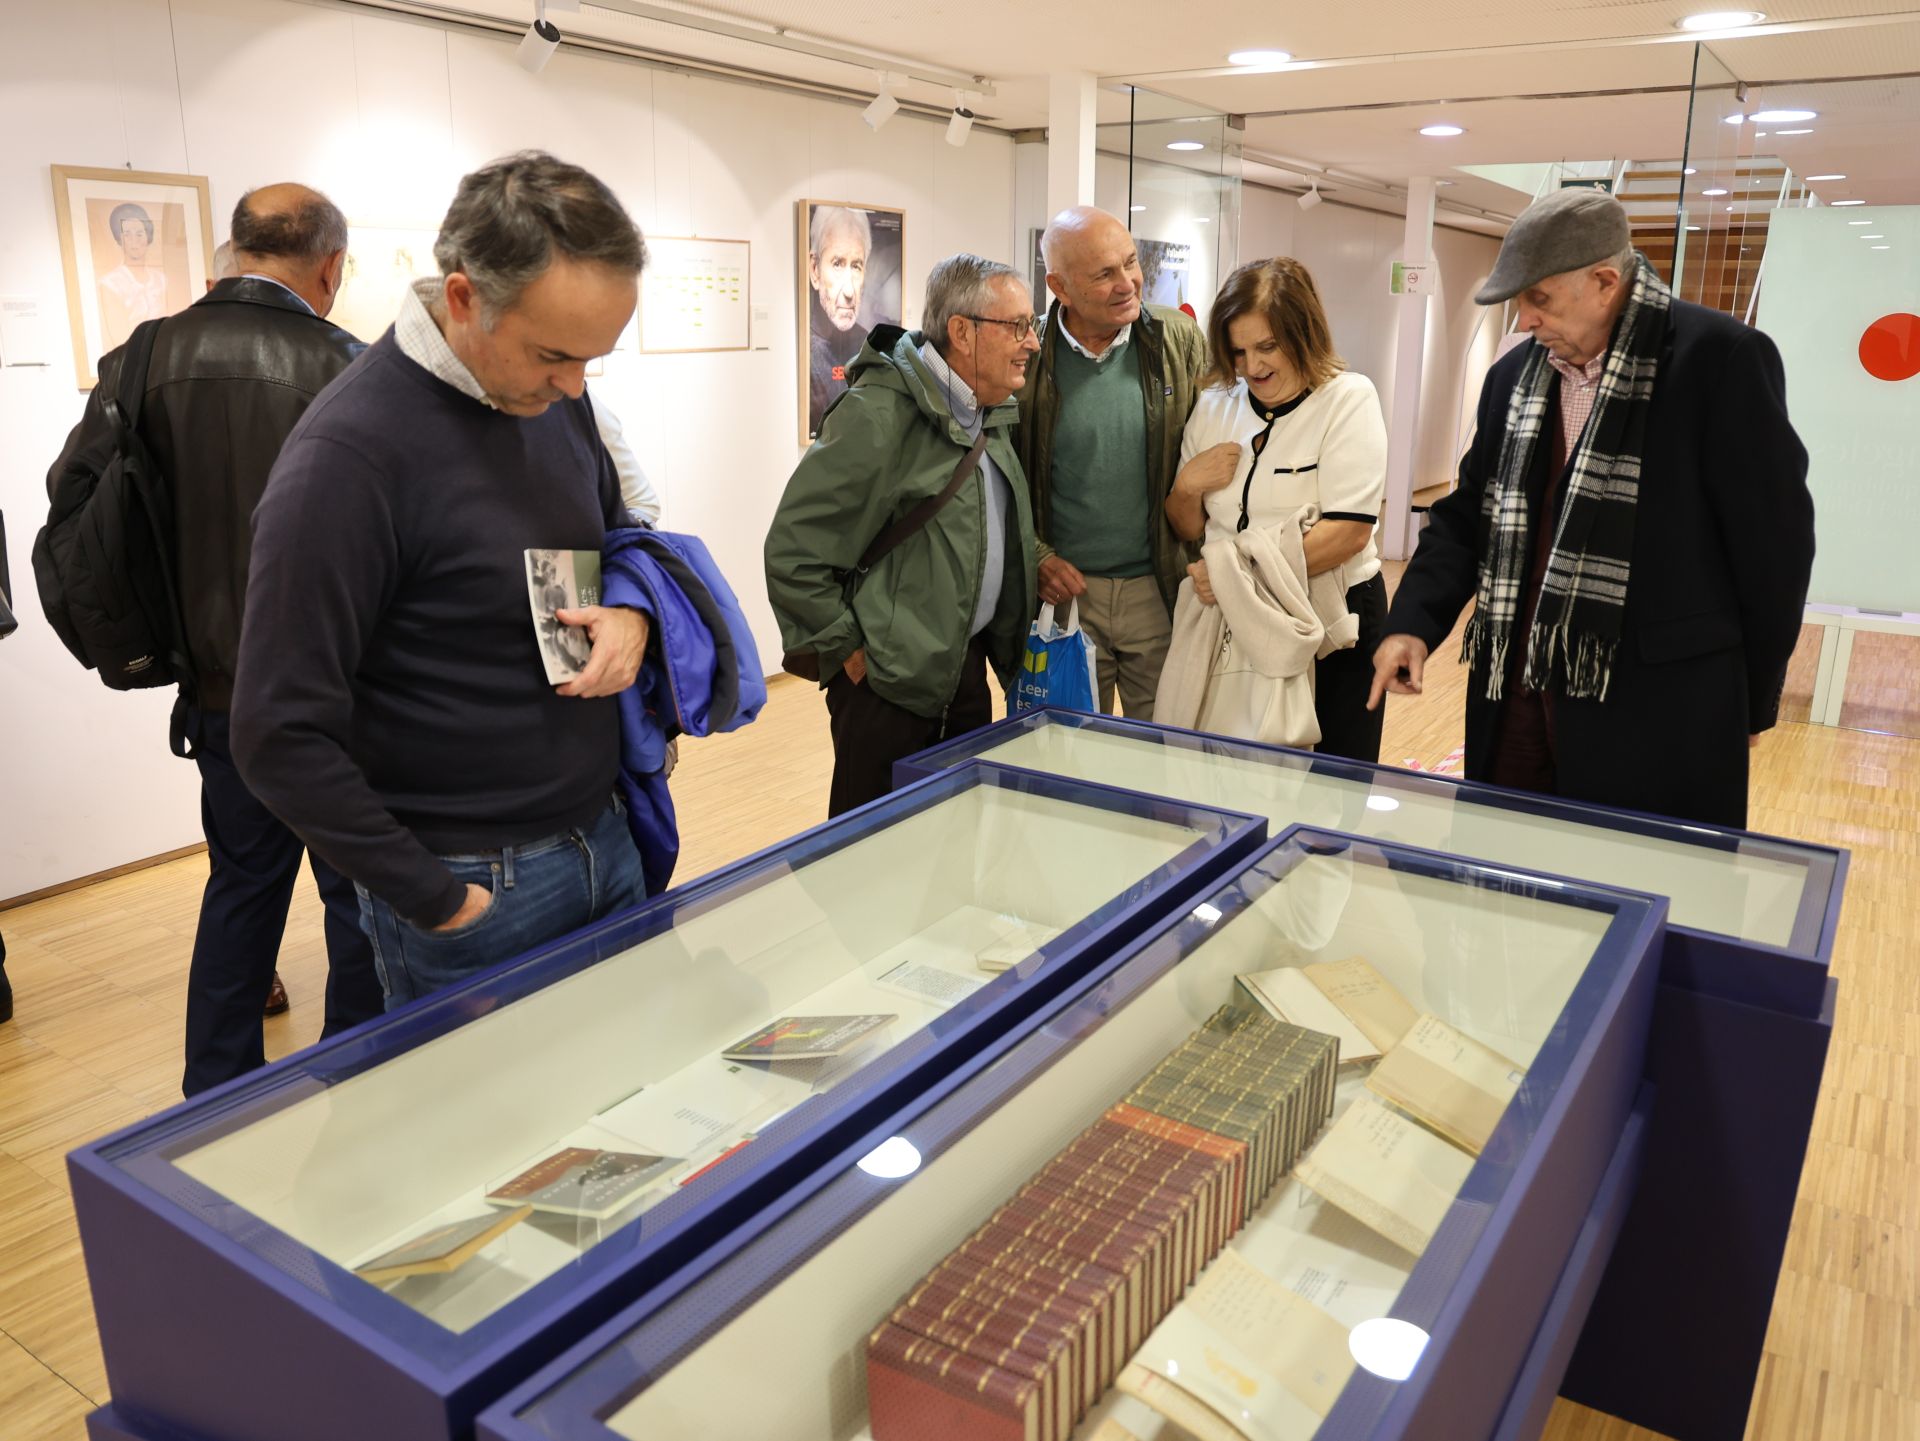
{"x": 1890, "y": 348}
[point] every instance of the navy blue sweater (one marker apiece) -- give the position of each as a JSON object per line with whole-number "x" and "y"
{"x": 390, "y": 704}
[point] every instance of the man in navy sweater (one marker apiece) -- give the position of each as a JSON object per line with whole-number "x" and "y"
{"x": 391, "y": 705}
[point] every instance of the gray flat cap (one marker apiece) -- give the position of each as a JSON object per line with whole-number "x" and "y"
{"x": 1559, "y": 232}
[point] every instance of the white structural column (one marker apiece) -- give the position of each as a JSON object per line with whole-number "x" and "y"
{"x": 1070, "y": 113}
{"x": 1397, "y": 530}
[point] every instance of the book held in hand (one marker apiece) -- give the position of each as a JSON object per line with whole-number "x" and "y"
{"x": 581, "y": 1181}
{"x": 443, "y": 1248}
{"x": 562, "y": 580}
{"x": 806, "y": 1038}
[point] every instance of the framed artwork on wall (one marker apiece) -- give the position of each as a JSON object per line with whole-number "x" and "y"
{"x": 382, "y": 262}
{"x": 695, "y": 295}
{"x": 135, "y": 245}
{"x": 850, "y": 262}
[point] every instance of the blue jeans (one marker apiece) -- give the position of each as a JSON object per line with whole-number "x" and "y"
{"x": 541, "y": 891}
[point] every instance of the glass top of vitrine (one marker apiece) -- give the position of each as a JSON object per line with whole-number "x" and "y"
{"x": 1754, "y": 889}
{"x": 1463, "y": 1002}
{"x": 436, "y": 1172}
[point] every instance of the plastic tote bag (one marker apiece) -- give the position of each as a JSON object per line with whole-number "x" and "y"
{"x": 1057, "y": 668}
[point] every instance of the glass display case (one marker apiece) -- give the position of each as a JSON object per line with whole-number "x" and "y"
{"x": 427, "y": 1208}
{"x": 1312, "y": 1159}
{"x": 1753, "y": 916}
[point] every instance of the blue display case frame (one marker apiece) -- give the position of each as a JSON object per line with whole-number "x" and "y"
{"x": 216, "y": 1327}
{"x": 1739, "y": 1045}
{"x": 1485, "y": 1289}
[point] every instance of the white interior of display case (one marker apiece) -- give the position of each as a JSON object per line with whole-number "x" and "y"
{"x": 1496, "y": 965}
{"x": 623, "y": 1054}
{"x": 1734, "y": 893}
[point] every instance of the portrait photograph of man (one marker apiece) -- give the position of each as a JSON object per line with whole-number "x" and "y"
{"x": 850, "y": 262}
{"x": 137, "y": 246}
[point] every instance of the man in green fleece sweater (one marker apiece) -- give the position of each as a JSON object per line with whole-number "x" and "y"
{"x": 903, "y": 649}
{"x": 1101, "y": 418}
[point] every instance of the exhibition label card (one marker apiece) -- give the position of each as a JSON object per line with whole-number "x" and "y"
{"x": 1449, "y": 1080}
{"x": 443, "y": 1248}
{"x": 806, "y": 1038}
{"x": 1387, "y": 1172}
{"x": 1289, "y": 995}
{"x": 702, "y": 1108}
{"x": 927, "y": 982}
{"x": 1367, "y": 997}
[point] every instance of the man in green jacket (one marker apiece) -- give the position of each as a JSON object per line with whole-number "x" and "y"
{"x": 903, "y": 649}
{"x": 1101, "y": 419}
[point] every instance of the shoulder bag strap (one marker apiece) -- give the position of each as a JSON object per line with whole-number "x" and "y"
{"x": 916, "y": 518}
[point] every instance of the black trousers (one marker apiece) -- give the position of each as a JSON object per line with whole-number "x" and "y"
{"x": 253, "y": 862}
{"x": 1342, "y": 680}
{"x": 870, "y": 734}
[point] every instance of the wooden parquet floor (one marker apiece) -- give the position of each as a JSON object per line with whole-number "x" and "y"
{"x": 98, "y": 974}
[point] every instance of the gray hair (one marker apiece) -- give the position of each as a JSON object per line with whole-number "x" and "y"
{"x": 825, "y": 217}
{"x": 224, "y": 266}
{"x": 309, "y": 230}
{"x": 509, "y": 218}
{"x": 959, "y": 285}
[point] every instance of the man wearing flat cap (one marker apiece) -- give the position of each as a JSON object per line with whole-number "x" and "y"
{"x": 1633, "y": 526}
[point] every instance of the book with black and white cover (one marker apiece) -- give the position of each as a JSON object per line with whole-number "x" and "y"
{"x": 562, "y": 580}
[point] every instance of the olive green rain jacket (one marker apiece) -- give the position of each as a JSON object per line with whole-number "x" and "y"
{"x": 889, "y": 442}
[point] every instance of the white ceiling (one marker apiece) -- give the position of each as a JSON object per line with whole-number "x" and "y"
{"x": 1518, "y": 74}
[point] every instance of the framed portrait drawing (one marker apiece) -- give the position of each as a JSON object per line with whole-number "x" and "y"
{"x": 136, "y": 245}
{"x": 382, "y": 263}
{"x": 851, "y": 260}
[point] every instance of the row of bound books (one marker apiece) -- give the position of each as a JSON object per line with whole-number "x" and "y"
{"x": 1023, "y": 1328}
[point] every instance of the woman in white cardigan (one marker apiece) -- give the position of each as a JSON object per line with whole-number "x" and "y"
{"x": 1286, "y": 435}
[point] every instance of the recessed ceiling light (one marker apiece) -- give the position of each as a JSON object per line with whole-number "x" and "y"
{"x": 1439, "y": 132}
{"x": 1849, "y": 202}
{"x": 1691, "y": 170}
{"x": 1186, "y": 145}
{"x": 1720, "y": 20}
{"x": 1880, "y": 247}
{"x": 1736, "y": 119}
{"x": 1793, "y": 132}
{"x": 1859, "y": 222}
{"x": 1729, "y": 207}
{"x": 1784, "y": 117}
{"x": 1873, "y": 237}
{"x": 1717, "y": 190}
{"x": 1259, "y": 57}
{"x": 1826, "y": 177}
{"x": 1136, "y": 208}
{"x": 1693, "y": 227}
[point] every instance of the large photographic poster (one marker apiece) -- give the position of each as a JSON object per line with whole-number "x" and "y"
{"x": 136, "y": 245}
{"x": 695, "y": 295}
{"x": 851, "y": 259}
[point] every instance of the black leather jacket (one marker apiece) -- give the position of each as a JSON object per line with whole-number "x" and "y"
{"x": 231, "y": 376}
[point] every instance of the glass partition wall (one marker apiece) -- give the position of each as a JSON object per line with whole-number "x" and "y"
{"x": 1172, "y": 168}
{"x": 1800, "y": 214}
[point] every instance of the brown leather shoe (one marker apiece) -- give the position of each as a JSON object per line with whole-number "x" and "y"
{"x": 277, "y": 1001}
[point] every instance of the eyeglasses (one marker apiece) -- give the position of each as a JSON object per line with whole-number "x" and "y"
{"x": 1022, "y": 327}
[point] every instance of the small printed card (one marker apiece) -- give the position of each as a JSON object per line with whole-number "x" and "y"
{"x": 562, "y": 580}
{"x": 806, "y": 1038}
{"x": 582, "y": 1181}
{"x": 443, "y": 1248}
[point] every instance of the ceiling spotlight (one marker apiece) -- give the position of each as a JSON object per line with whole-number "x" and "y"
{"x": 1136, "y": 209}
{"x": 1720, "y": 20}
{"x": 1186, "y": 145}
{"x": 1312, "y": 198}
{"x": 1859, "y": 222}
{"x": 1717, "y": 190}
{"x": 1849, "y": 202}
{"x": 958, "y": 125}
{"x": 1879, "y": 247}
{"x": 1873, "y": 237}
{"x": 539, "y": 43}
{"x": 1736, "y": 119}
{"x": 1793, "y": 132}
{"x": 1259, "y": 57}
{"x": 1439, "y": 132}
{"x": 1691, "y": 170}
{"x": 1826, "y": 177}
{"x": 1784, "y": 117}
{"x": 880, "y": 109}
{"x": 1693, "y": 227}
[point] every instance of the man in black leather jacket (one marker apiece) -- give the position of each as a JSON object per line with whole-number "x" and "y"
{"x": 230, "y": 377}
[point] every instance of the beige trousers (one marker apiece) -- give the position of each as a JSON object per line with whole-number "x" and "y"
{"x": 1128, "y": 624}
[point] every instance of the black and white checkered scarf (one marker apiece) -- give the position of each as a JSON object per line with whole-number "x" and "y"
{"x": 1583, "y": 597}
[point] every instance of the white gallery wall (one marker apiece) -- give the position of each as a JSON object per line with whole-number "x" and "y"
{"x": 384, "y": 114}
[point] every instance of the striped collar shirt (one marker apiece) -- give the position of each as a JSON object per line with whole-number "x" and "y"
{"x": 421, "y": 342}
{"x": 1114, "y": 346}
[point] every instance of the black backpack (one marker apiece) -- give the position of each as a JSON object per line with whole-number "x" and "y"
{"x": 104, "y": 562}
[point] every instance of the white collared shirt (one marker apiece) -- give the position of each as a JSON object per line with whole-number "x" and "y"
{"x": 421, "y": 342}
{"x": 1114, "y": 346}
{"x": 970, "y": 417}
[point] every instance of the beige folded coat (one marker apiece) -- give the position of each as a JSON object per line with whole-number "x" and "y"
{"x": 1244, "y": 667}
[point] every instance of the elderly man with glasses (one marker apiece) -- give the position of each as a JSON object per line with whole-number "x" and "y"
{"x": 901, "y": 559}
